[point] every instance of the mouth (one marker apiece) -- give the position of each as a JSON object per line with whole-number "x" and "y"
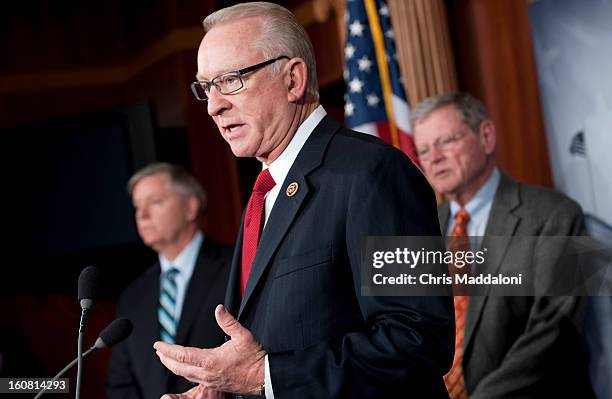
{"x": 231, "y": 128}
{"x": 441, "y": 173}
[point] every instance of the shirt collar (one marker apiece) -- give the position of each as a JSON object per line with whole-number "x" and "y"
{"x": 279, "y": 168}
{"x": 481, "y": 199}
{"x": 185, "y": 261}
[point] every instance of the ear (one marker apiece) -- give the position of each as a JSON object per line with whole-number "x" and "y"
{"x": 192, "y": 205}
{"x": 296, "y": 79}
{"x": 488, "y": 136}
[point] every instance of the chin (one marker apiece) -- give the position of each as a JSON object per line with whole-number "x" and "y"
{"x": 241, "y": 152}
{"x": 149, "y": 241}
{"x": 444, "y": 189}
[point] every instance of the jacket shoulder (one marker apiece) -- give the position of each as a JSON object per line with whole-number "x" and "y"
{"x": 140, "y": 284}
{"x": 547, "y": 200}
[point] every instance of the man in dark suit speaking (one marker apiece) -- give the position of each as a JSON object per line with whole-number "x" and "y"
{"x": 298, "y": 324}
{"x": 507, "y": 346}
{"x": 175, "y": 299}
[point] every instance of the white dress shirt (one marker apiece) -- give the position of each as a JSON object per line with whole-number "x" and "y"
{"x": 185, "y": 263}
{"x": 279, "y": 168}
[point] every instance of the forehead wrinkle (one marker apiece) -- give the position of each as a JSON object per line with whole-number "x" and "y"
{"x": 243, "y": 34}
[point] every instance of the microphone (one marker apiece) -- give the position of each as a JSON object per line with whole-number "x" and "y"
{"x": 114, "y": 333}
{"x": 87, "y": 293}
{"x": 88, "y": 287}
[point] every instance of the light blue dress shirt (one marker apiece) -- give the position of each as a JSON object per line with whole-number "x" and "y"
{"x": 479, "y": 207}
{"x": 185, "y": 263}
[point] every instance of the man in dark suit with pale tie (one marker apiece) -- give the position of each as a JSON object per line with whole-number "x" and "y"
{"x": 174, "y": 300}
{"x": 507, "y": 346}
{"x": 298, "y": 322}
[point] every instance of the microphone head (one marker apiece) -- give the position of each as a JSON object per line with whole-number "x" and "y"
{"x": 88, "y": 286}
{"x": 114, "y": 333}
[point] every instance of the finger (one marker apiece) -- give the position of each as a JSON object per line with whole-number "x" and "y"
{"x": 191, "y": 372}
{"x": 191, "y": 394}
{"x": 213, "y": 394}
{"x": 165, "y": 347}
{"x": 228, "y": 323}
{"x": 182, "y": 354}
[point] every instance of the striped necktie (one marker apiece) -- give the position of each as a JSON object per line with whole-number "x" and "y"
{"x": 167, "y": 306}
{"x": 253, "y": 223}
{"x": 454, "y": 379}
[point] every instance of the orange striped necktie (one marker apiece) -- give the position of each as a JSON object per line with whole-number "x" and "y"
{"x": 462, "y": 218}
{"x": 455, "y": 383}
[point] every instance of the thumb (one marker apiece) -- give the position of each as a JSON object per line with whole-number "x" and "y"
{"x": 193, "y": 393}
{"x": 228, "y": 323}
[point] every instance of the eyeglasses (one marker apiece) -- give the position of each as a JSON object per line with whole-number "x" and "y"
{"x": 442, "y": 144}
{"x": 229, "y": 82}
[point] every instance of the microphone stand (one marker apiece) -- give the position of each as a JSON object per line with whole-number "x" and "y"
{"x": 68, "y": 367}
{"x": 85, "y": 305}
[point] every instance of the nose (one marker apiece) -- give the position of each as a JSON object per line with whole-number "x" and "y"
{"x": 142, "y": 213}
{"x": 217, "y": 102}
{"x": 435, "y": 154}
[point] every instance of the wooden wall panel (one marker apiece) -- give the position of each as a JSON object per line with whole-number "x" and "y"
{"x": 495, "y": 62}
{"x": 110, "y": 42}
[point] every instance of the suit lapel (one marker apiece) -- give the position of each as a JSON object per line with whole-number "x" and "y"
{"x": 206, "y": 268}
{"x": 443, "y": 215}
{"x": 501, "y": 226}
{"x": 158, "y": 374}
{"x": 232, "y": 293}
{"x": 286, "y": 208}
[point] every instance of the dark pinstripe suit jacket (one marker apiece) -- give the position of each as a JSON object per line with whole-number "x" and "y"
{"x": 303, "y": 301}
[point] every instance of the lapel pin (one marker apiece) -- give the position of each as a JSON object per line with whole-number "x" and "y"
{"x": 292, "y": 189}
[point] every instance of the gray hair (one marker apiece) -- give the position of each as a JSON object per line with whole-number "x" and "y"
{"x": 472, "y": 111}
{"x": 179, "y": 180}
{"x": 281, "y": 34}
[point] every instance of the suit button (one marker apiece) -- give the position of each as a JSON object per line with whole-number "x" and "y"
{"x": 227, "y": 338}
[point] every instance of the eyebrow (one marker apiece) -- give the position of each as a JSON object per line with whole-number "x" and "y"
{"x": 229, "y": 69}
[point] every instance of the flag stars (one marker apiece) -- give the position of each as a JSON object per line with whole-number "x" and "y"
{"x": 356, "y": 28}
{"x": 372, "y": 99}
{"x": 355, "y": 85}
{"x": 349, "y": 51}
{"x": 349, "y": 108}
{"x": 384, "y": 10}
{"x": 364, "y": 64}
{"x": 389, "y": 33}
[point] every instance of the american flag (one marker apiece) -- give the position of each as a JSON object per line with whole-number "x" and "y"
{"x": 577, "y": 146}
{"x": 375, "y": 102}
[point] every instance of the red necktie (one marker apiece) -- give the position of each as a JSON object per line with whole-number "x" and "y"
{"x": 253, "y": 223}
{"x": 455, "y": 383}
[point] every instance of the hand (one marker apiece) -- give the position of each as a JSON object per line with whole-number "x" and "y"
{"x": 237, "y": 366}
{"x": 197, "y": 392}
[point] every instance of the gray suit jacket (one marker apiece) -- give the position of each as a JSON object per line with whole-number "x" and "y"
{"x": 524, "y": 347}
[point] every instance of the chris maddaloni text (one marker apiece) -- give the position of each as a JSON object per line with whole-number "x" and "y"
{"x": 430, "y": 279}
